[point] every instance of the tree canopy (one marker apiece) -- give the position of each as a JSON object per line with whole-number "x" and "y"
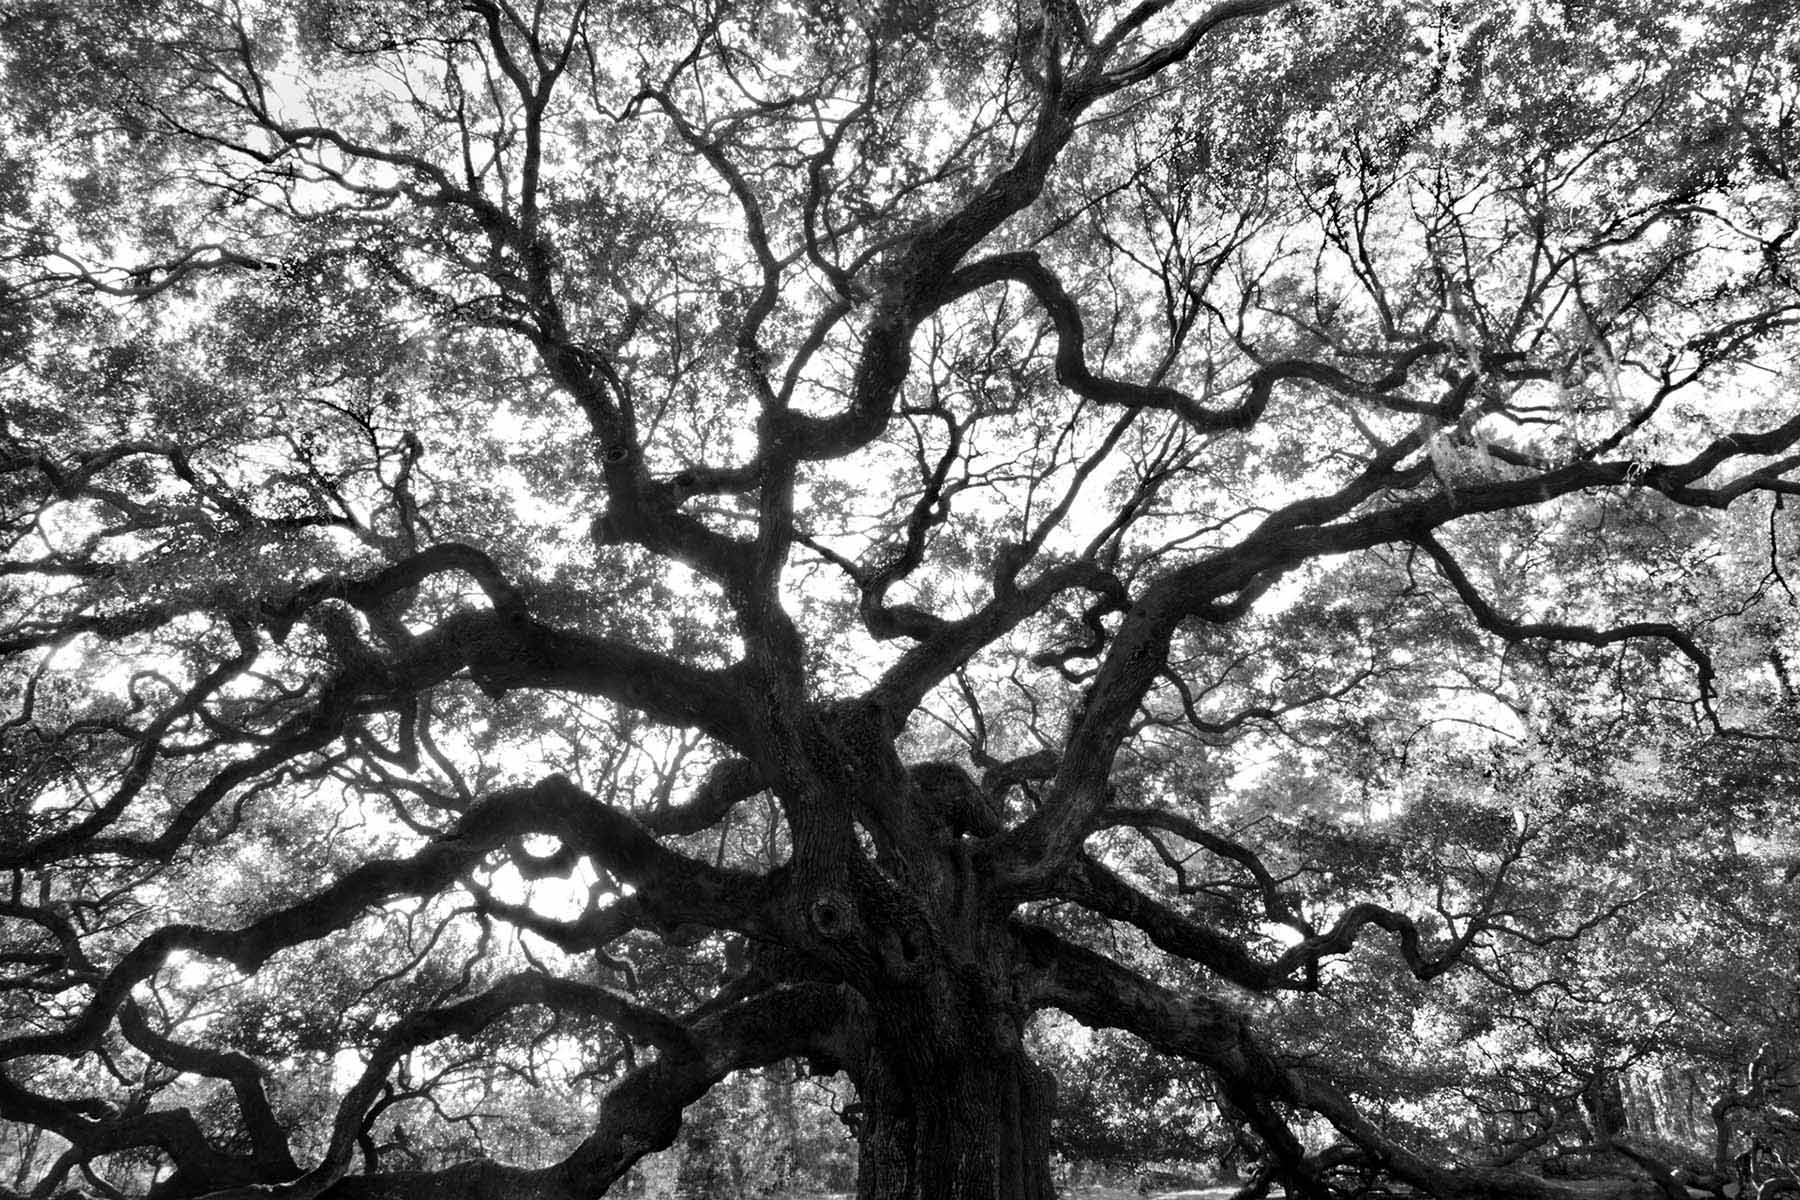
{"x": 559, "y": 552}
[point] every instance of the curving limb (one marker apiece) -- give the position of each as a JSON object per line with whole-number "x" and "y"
{"x": 1099, "y": 992}
{"x": 640, "y": 1114}
{"x": 1495, "y": 622}
{"x": 681, "y": 890}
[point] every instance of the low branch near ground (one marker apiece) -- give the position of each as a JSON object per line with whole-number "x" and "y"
{"x": 1102, "y": 993}
{"x": 639, "y": 1115}
{"x": 676, "y": 889}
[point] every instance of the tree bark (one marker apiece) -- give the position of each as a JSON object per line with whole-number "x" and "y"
{"x": 975, "y": 1129}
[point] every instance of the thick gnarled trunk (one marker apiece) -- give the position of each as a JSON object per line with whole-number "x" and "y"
{"x": 975, "y": 1128}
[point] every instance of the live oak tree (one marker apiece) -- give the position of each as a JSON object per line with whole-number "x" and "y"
{"x": 904, "y": 506}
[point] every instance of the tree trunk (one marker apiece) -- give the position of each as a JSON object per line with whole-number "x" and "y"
{"x": 977, "y": 1128}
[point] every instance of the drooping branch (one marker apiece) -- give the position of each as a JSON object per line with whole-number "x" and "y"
{"x": 1341, "y": 937}
{"x": 675, "y": 889}
{"x": 640, "y": 1114}
{"x": 1298, "y": 967}
{"x": 1276, "y": 905}
{"x": 468, "y": 1017}
{"x": 94, "y": 1129}
{"x": 1102, "y": 993}
{"x": 268, "y": 1142}
{"x": 1094, "y": 887}
{"x": 1497, "y": 623}
{"x": 501, "y": 650}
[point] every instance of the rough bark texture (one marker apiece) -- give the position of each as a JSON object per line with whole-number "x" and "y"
{"x": 975, "y": 1130}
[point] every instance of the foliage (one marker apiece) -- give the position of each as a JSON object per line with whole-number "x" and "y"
{"x": 1227, "y": 564}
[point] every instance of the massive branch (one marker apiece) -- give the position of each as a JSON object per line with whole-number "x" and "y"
{"x": 676, "y": 890}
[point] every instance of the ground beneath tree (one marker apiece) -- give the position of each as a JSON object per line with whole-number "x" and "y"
{"x": 1222, "y": 1192}
{"x": 1599, "y": 1187}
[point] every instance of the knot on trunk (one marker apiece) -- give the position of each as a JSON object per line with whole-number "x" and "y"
{"x": 891, "y": 945}
{"x": 833, "y": 917}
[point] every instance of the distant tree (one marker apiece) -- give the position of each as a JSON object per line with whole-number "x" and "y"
{"x": 574, "y": 551}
